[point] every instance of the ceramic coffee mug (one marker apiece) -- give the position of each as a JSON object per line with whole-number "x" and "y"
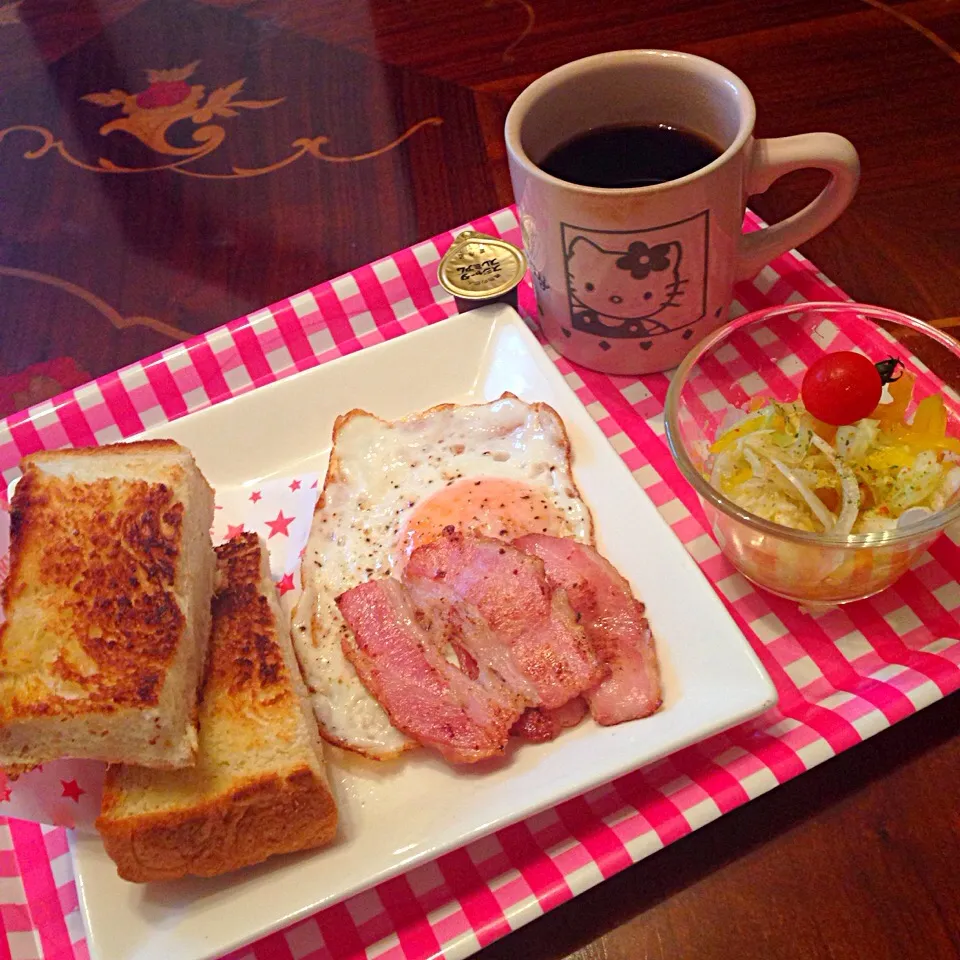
{"x": 629, "y": 279}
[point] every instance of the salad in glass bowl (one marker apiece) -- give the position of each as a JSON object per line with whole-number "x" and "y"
{"x": 827, "y": 458}
{"x": 866, "y": 475}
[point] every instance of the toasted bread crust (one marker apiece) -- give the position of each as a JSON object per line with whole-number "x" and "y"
{"x": 246, "y": 661}
{"x": 258, "y": 818}
{"x": 101, "y": 558}
{"x": 138, "y": 446}
{"x": 214, "y": 818}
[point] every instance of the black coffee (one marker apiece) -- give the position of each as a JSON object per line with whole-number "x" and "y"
{"x": 631, "y": 155}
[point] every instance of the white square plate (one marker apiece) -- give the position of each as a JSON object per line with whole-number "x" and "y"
{"x": 396, "y": 815}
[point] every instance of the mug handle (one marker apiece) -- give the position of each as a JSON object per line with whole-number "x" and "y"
{"x": 770, "y": 160}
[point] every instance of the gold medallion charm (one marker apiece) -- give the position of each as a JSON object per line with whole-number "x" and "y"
{"x": 480, "y": 269}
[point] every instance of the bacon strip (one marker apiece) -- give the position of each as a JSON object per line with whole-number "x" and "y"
{"x": 399, "y": 657}
{"x": 539, "y": 725}
{"x": 475, "y": 644}
{"x": 614, "y": 622}
{"x": 509, "y": 589}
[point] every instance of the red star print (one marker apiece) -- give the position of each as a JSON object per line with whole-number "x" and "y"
{"x": 4, "y": 794}
{"x": 285, "y": 584}
{"x": 72, "y": 789}
{"x": 280, "y": 526}
{"x": 255, "y": 496}
{"x": 294, "y": 486}
{"x": 234, "y": 531}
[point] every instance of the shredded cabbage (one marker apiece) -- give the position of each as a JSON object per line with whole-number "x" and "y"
{"x": 809, "y": 497}
{"x": 849, "y": 488}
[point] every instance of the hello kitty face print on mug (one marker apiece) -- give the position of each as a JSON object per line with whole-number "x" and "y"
{"x": 636, "y": 285}
{"x": 631, "y": 171}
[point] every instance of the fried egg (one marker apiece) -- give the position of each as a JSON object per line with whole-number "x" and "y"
{"x": 499, "y": 469}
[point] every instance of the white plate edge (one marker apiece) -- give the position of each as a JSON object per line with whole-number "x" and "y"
{"x": 499, "y": 318}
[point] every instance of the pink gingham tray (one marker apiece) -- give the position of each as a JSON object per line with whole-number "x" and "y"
{"x": 842, "y": 676}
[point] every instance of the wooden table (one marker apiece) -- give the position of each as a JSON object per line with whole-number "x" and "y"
{"x": 137, "y": 209}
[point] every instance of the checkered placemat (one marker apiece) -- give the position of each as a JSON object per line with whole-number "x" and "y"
{"x": 842, "y": 676}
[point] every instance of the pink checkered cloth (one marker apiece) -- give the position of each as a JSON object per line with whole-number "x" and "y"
{"x": 842, "y": 676}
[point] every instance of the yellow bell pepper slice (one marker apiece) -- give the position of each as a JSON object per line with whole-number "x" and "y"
{"x": 928, "y": 431}
{"x": 930, "y": 419}
{"x": 891, "y": 458}
{"x": 751, "y": 424}
{"x": 918, "y": 442}
{"x": 894, "y": 413}
{"x": 740, "y": 475}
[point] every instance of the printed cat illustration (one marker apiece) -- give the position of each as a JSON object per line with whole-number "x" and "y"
{"x": 624, "y": 293}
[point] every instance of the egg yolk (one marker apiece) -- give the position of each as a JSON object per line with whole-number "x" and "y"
{"x": 497, "y": 508}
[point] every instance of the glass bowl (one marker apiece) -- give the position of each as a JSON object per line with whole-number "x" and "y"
{"x": 765, "y": 354}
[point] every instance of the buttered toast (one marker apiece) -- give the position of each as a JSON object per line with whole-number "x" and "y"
{"x": 259, "y": 787}
{"x": 107, "y": 606}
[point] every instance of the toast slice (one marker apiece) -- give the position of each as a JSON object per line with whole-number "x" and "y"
{"x": 259, "y": 787}
{"x": 107, "y": 606}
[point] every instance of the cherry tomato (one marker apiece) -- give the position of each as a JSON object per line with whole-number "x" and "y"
{"x": 841, "y": 388}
